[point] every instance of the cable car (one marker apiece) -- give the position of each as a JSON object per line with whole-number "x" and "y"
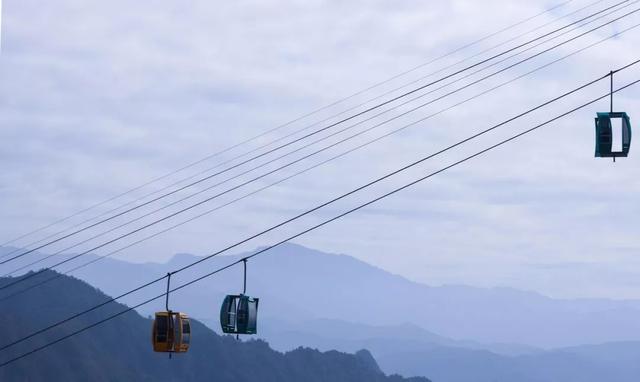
{"x": 171, "y": 332}
{"x": 239, "y": 314}
{"x": 604, "y": 135}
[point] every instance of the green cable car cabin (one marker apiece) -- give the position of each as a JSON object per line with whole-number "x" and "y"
{"x": 171, "y": 332}
{"x": 605, "y": 137}
{"x": 239, "y": 314}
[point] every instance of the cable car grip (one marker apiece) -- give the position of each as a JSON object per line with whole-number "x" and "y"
{"x": 166, "y": 305}
{"x": 244, "y": 288}
{"x": 611, "y": 91}
{"x": 166, "y": 301}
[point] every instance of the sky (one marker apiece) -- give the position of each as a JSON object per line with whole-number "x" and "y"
{"x": 99, "y": 97}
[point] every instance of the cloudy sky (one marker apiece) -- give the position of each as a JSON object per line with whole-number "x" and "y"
{"x": 98, "y": 97}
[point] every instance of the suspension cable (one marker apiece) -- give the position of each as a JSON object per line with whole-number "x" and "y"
{"x": 323, "y": 149}
{"x": 305, "y": 136}
{"x": 218, "y": 153}
{"x": 339, "y": 198}
{"x": 359, "y": 207}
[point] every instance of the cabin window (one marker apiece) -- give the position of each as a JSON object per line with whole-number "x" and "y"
{"x": 186, "y": 332}
{"x": 253, "y": 314}
{"x": 231, "y": 314}
{"x": 616, "y": 134}
{"x": 243, "y": 311}
{"x": 161, "y": 329}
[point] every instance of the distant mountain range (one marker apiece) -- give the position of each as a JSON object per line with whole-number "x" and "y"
{"x": 120, "y": 349}
{"x": 331, "y": 301}
{"x": 410, "y": 350}
{"x": 611, "y": 362}
{"x": 297, "y": 284}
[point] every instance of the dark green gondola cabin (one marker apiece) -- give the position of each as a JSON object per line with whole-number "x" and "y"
{"x": 239, "y": 314}
{"x": 605, "y": 138}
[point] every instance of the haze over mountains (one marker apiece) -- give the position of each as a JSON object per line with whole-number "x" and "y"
{"x": 327, "y": 301}
{"x": 297, "y": 284}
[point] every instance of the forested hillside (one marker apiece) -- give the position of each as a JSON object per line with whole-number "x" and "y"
{"x": 120, "y": 349}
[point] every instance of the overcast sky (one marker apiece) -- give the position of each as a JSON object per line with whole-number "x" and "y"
{"x": 97, "y": 97}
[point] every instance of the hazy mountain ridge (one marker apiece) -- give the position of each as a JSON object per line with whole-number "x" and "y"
{"x": 443, "y": 359}
{"x": 330, "y": 301}
{"x": 381, "y": 340}
{"x": 120, "y": 349}
{"x": 303, "y": 284}
{"x": 570, "y": 364}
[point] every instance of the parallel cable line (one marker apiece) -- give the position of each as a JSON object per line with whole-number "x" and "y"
{"x": 323, "y": 223}
{"x": 431, "y": 74}
{"x": 273, "y": 171}
{"x": 318, "y": 151}
{"x": 307, "y": 135}
{"x": 358, "y": 189}
{"x": 211, "y": 156}
{"x": 310, "y": 168}
{"x": 348, "y": 110}
{"x": 315, "y": 142}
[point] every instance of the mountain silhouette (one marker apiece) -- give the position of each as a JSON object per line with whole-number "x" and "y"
{"x": 296, "y": 284}
{"x": 335, "y": 302}
{"x": 120, "y": 349}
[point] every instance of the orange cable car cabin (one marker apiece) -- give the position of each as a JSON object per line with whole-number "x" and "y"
{"x": 171, "y": 332}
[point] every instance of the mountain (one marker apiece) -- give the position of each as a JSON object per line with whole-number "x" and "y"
{"x": 611, "y": 362}
{"x": 299, "y": 284}
{"x": 380, "y": 340}
{"x": 327, "y": 302}
{"x": 120, "y": 349}
{"x": 410, "y": 350}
